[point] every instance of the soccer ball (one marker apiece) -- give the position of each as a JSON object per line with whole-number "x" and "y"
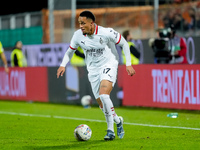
{"x": 86, "y": 101}
{"x": 82, "y": 132}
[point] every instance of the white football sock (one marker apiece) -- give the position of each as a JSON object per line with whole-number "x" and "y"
{"x": 115, "y": 117}
{"x": 109, "y": 111}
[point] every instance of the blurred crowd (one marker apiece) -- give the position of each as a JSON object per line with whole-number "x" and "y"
{"x": 184, "y": 18}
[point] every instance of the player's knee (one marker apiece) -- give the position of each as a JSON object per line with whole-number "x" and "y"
{"x": 105, "y": 87}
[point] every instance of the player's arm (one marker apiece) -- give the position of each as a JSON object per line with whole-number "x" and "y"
{"x": 123, "y": 43}
{"x": 116, "y": 37}
{"x": 67, "y": 57}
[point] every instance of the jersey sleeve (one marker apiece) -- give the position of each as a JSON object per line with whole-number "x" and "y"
{"x": 74, "y": 44}
{"x": 114, "y": 36}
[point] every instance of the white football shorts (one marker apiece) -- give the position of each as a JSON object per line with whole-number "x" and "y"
{"x": 105, "y": 73}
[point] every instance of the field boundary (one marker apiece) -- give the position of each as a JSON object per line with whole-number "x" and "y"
{"x": 93, "y": 120}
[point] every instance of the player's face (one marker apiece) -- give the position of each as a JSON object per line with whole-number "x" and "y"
{"x": 85, "y": 25}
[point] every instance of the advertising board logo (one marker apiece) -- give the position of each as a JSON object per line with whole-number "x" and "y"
{"x": 13, "y": 84}
{"x": 176, "y": 86}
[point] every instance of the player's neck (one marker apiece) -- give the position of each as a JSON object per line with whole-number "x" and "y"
{"x": 92, "y": 29}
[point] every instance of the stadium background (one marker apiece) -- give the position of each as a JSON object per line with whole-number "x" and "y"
{"x": 38, "y": 81}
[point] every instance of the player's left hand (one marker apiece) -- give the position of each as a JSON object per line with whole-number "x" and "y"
{"x": 60, "y": 71}
{"x": 130, "y": 70}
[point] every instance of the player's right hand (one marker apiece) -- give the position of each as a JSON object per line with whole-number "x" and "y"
{"x": 60, "y": 71}
{"x": 130, "y": 70}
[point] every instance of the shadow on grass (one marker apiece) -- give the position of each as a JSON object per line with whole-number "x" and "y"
{"x": 72, "y": 145}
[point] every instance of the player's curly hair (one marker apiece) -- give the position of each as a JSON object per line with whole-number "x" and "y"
{"x": 88, "y": 14}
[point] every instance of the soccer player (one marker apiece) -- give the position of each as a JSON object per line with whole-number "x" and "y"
{"x": 101, "y": 58}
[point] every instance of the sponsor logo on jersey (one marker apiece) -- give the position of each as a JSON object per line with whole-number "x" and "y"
{"x": 95, "y": 52}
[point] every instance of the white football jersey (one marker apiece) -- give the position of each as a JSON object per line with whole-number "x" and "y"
{"x": 99, "y": 48}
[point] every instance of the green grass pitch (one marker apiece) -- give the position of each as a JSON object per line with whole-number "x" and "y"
{"x": 41, "y": 126}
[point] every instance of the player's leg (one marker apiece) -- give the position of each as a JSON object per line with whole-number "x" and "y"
{"x": 104, "y": 94}
{"x": 109, "y": 118}
{"x": 108, "y": 109}
{"x": 108, "y": 79}
{"x": 105, "y": 89}
{"x": 100, "y": 103}
{"x": 95, "y": 84}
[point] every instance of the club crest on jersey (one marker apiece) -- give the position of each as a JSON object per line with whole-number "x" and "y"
{"x": 100, "y": 41}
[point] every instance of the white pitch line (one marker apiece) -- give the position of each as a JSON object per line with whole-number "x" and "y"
{"x": 161, "y": 126}
{"x": 93, "y": 120}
